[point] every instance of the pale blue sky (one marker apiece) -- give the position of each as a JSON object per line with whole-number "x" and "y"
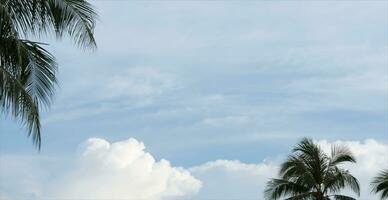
{"x": 237, "y": 80}
{"x": 207, "y": 80}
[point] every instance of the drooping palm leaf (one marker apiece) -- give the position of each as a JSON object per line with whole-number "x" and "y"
{"x": 340, "y": 154}
{"x": 28, "y": 71}
{"x": 310, "y": 174}
{"x": 15, "y": 99}
{"x": 277, "y": 188}
{"x": 342, "y": 197}
{"x": 28, "y": 80}
{"x": 74, "y": 17}
{"x": 380, "y": 184}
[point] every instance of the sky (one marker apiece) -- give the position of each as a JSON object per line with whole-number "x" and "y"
{"x": 204, "y": 99}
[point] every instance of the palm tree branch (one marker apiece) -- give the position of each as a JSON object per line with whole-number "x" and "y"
{"x": 32, "y": 65}
{"x": 15, "y": 99}
{"x": 337, "y": 179}
{"x": 77, "y": 17}
{"x": 380, "y": 184}
{"x": 342, "y": 197}
{"x": 340, "y": 154}
{"x": 277, "y": 188}
{"x": 308, "y": 195}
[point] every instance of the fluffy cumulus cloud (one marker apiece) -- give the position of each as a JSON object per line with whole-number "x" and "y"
{"x": 123, "y": 170}
{"x": 103, "y": 170}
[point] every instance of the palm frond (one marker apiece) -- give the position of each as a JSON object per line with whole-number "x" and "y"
{"x": 76, "y": 17}
{"x": 39, "y": 73}
{"x": 337, "y": 179}
{"x": 27, "y": 80}
{"x": 313, "y": 156}
{"x": 33, "y": 66}
{"x": 14, "y": 99}
{"x": 342, "y": 197}
{"x": 277, "y": 188}
{"x": 340, "y": 154}
{"x": 380, "y": 184}
{"x": 305, "y": 196}
{"x": 28, "y": 71}
{"x": 296, "y": 169}
{"x": 311, "y": 174}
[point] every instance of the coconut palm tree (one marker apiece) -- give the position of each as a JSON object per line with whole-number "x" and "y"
{"x": 310, "y": 174}
{"x": 27, "y": 70}
{"x": 380, "y": 184}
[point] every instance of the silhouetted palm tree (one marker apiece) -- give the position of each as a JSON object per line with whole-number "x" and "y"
{"x": 310, "y": 174}
{"x": 380, "y": 184}
{"x": 27, "y": 70}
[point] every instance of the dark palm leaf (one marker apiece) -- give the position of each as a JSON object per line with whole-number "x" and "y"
{"x": 277, "y": 188}
{"x": 28, "y": 80}
{"x": 380, "y": 184}
{"x": 340, "y": 154}
{"x": 75, "y": 17}
{"x": 310, "y": 174}
{"x": 28, "y": 71}
{"x": 342, "y": 197}
{"x": 15, "y": 99}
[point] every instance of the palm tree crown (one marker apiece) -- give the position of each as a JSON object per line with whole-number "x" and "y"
{"x": 380, "y": 184}
{"x": 27, "y": 70}
{"x": 310, "y": 174}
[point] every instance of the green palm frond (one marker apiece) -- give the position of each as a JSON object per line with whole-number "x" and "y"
{"x": 277, "y": 188}
{"x": 16, "y": 100}
{"x": 380, "y": 184}
{"x": 311, "y": 174}
{"x": 74, "y": 17}
{"x": 340, "y": 154}
{"x": 28, "y": 80}
{"x": 295, "y": 169}
{"x": 313, "y": 157}
{"x": 28, "y": 71}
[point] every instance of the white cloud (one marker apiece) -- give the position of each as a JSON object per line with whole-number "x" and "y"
{"x": 225, "y": 179}
{"x": 123, "y": 170}
{"x": 232, "y": 179}
{"x": 371, "y": 156}
{"x": 102, "y": 170}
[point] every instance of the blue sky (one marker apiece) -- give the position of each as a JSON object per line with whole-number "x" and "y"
{"x": 209, "y": 80}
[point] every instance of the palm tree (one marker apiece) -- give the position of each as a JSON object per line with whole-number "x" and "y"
{"x": 310, "y": 174}
{"x": 27, "y": 70}
{"x": 380, "y": 184}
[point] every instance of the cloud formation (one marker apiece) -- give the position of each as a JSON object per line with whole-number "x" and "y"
{"x": 123, "y": 170}
{"x": 232, "y": 179}
{"x": 371, "y": 157}
{"x": 225, "y": 179}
